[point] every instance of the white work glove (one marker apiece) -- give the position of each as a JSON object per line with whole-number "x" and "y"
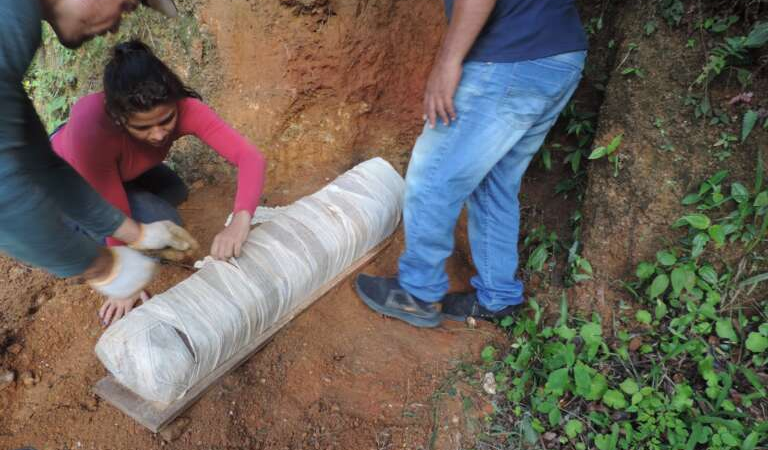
{"x": 159, "y": 235}
{"x": 130, "y": 272}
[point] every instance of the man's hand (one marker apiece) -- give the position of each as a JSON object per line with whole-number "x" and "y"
{"x": 468, "y": 18}
{"x": 114, "y": 309}
{"x": 441, "y": 87}
{"x": 158, "y": 235}
{"x": 230, "y": 240}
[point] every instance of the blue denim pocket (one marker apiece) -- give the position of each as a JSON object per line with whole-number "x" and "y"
{"x": 473, "y": 86}
{"x": 535, "y": 87}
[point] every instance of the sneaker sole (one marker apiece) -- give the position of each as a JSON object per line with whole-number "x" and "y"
{"x": 416, "y": 321}
{"x": 454, "y": 317}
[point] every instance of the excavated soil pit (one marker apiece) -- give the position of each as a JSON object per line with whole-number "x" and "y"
{"x": 320, "y": 87}
{"x": 339, "y": 376}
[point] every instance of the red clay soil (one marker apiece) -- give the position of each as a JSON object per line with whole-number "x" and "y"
{"x": 319, "y": 86}
{"x": 337, "y": 377}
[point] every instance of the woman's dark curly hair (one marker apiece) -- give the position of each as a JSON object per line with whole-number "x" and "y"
{"x": 135, "y": 80}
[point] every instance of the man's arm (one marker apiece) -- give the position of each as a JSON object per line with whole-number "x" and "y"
{"x": 467, "y": 20}
{"x": 35, "y": 184}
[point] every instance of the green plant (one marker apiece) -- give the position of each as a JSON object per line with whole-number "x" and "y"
{"x": 718, "y": 24}
{"x": 579, "y": 268}
{"x": 594, "y": 25}
{"x": 731, "y": 53}
{"x": 546, "y": 244}
{"x": 681, "y": 372}
{"x": 580, "y": 130}
{"x": 650, "y": 27}
{"x": 629, "y": 70}
{"x": 608, "y": 151}
{"x": 636, "y": 71}
{"x": 658, "y": 122}
{"x": 672, "y": 11}
{"x": 724, "y": 145}
{"x": 748, "y": 123}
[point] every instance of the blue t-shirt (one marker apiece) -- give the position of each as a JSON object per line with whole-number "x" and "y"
{"x": 519, "y": 30}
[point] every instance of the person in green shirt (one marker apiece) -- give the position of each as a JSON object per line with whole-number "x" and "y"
{"x": 37, "y": 188}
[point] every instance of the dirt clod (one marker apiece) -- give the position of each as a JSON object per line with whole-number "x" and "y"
{"x": 7, "y": 378}
{"x": 174, "y": 430}
{"x": 91, "y": 403}
{"x": 17, "y": 271}
{"x": 15, "y": 349}
{"x": 29, "y": 378}
{"x": 41, "y": 300}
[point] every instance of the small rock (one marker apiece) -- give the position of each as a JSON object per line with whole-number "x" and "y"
{"x": 91, "y": 403}
{"x": 15, "y": 349}
{"x": 29, "y": 379}
{"x": 7, "y": 378}
{"x": 489, "y": 383}
{"x": 41, "y": 300}
{"x": 549, "y": 436}
{"x": 635, "y": 343}
{"x": 471, "y": 322}
{"x": 16, "y": 271}
{"x": 175, "y": 429}
{"x": 335, "y": 408}
{"x": 199, "y": 184}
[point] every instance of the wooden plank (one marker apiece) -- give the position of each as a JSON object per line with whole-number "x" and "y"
{"x": 154, "y": 415}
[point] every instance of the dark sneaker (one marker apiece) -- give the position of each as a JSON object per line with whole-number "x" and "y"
{"x": 386, "y": 296}
{"x": 459, "y": 306}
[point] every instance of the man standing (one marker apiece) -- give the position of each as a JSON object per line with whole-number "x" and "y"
{"x": 37, "y": 188}
{"x": 505, "y": 70}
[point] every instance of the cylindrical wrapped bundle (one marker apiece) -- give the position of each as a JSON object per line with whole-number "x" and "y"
{"x": 162, "y": 348}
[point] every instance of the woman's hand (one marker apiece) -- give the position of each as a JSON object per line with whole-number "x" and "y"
{"x": 230, "y": 240}
{"x": 114, "y": 309}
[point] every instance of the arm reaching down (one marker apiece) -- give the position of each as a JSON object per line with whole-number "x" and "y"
{"x": 230, "y": 240}
{"x": 467, "y": 20}
{"x": 203, "y": 122}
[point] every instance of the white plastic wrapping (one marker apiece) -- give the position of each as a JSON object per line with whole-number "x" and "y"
{"x": 165, "y": 346}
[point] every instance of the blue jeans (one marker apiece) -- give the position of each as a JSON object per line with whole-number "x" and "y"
{"x": 504, "y": 113}
{"x": 155, "y": 194}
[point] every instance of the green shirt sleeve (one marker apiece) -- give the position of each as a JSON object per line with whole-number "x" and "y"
{"x": 37, "y": 188}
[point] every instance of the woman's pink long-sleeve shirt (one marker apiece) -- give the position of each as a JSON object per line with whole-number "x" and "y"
{"x": 105, "y": 155}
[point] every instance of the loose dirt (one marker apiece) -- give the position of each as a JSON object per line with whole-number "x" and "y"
{"x": 339, "y": 376}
